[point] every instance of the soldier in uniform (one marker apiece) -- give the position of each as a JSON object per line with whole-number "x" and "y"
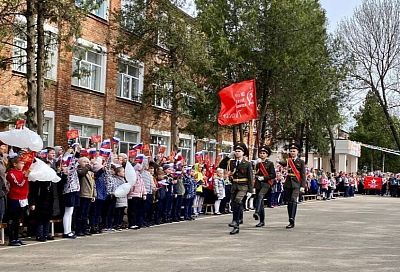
{"x": 265, "y": 175}
{"x": 295, "y": 181}
{"x": 241, "y": 175}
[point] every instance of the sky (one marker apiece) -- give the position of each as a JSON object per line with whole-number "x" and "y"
{"x": 336, "y": 10}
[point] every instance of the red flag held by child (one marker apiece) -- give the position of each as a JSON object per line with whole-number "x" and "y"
{"x": 72, "y": 134}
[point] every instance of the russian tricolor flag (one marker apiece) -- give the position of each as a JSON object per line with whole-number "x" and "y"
{"x": 92, "y": 151}
{"x": 67, "y": 159}
{"x": 115, "y": 140}
{"x": 105, "y": 152}
{"x": 139, "y": 158}
{"x": 106, "y": 144}
{"x": 138, "y": 146}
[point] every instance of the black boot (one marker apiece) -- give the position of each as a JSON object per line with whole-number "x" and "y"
{"x": 261, "y": 224}
{"x": 233, "y": 224}
{"x": 234, "y": 231}
{"x": 291, "y": 223}
{"x": 256, "y": 216}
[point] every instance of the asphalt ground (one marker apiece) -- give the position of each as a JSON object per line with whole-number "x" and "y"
{"x": 346, "y": 234}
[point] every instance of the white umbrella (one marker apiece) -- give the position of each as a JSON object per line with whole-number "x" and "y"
{"x": 22, "y": 138}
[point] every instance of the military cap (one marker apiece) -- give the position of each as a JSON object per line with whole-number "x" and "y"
{"x": 243, "y": 147}
{"x": 294, "y": 145}
{"x": 266, "y": 149}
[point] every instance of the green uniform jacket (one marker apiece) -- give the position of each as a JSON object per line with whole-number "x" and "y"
{"x": 243, "y": 172}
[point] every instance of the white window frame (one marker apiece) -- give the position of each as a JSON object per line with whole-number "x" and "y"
{"x": 184, "y": 137}
{"x": 86, "y": 47}
{"x": 164, "y": 102}
{"x": 128, "y": 128}
{"x": 86, "y": 121}
{"x": 125, "y": 76}
{"x": 210, "y": 149}
{"x": 19, "y": 63}
{"x": 96, "y": 12}
{"x": 49, "y": 116}
{"x": 125, "y": 6}
{"x": 154, "y": 146}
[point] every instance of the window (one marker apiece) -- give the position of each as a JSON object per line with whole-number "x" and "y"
{"x": 88, "y": 68}
{"x": 162, "y": 98}
{"x": 157, "y": 142}
{"x": 185, "y": 147}
{"x": 131, "y": 9}
{"x": 127, "y": 140}
{"x": 210, "y": 150}
{"x": 85, "y": 132}
{"x": 130, "y": 80}
{"x": 96, "y": 7}
{"x": 46, "y": 129}
{"x": 51, "y": 51}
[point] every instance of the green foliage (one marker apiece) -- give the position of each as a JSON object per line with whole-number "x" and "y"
{"x": 372, "y": 128}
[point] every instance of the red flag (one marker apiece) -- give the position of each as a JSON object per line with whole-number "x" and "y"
{"x": 27, "y": 157}
{"x": 96, "y": 138}
{"x": 238, "y": 103}
{"x": 20, "y": 123}
{"x": 373, "y": 183}
{"x": 72, "y": 134}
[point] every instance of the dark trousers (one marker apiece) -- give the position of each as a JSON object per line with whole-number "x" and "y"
{"x": 2, "y": 208}
{"x": 109, "y": 207}
{"x": 176, "y": 207}
{"x": 14, "y": 214}
{"x": 96, "y": 211}
{"x": 138, "y": 209}
{"x": 148, "y": 209}
{"x": 346, "y": 191}
{"x": 188, "y": 207}
{"x": 119, "y": 216}
{"x": 237, "y": 194}
{"x": 291, "y": 198}
{"x": 159, "y": 215}
{"x": 224, "y": 202}
{"x": 83, "y": 215}
{"x": 168, "y": 205}
{"x": 260, "y": 200}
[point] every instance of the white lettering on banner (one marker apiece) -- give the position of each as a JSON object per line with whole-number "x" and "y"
{"x": 241, "y": 97}
{"x": 235, "y": 115}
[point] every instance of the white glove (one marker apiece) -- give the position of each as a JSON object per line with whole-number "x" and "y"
{"x": 260, "y": 178}
{"x": 248, "y": 194}
{"x": 302, "y": 189}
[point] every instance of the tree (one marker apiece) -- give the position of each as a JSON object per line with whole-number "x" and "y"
{"x": 175, "y": 50}
{"x": 284, "y": 45}
{"x": 372, "y": 128}
{"x": 371, "y": 39}
{"x": 27, "y": 19}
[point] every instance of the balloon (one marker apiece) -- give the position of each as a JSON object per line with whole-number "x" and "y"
{"x": 122, "y": 190}
{"x": 22, "y": 138}
{"x": 40, "y": 171}
{"x": 130, "y": 174}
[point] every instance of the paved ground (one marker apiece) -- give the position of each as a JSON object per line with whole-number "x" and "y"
{"x": 358, "y": 234}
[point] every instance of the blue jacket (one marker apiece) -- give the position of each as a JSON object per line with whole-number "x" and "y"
{"x": 101, "y": 187}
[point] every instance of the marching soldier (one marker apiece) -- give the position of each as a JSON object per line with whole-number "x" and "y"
{"x": 242, "y": 183}
{"x": 295, "y": 181}
{"x": 265, "y": 175}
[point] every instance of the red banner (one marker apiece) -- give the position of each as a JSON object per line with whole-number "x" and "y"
{"x": 27, "y": 157}
{"x": 72, "y": 134}
{"x": 238, "y": 103}
{"x": 372, "y": 183}
{"x": 96, "y": 138}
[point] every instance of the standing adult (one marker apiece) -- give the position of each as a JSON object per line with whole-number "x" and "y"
{"x": 295, "y": 182}
{"x": 3, "y": 183}
{"x": 265, "y": 175}
{"x": 242, "y": 183}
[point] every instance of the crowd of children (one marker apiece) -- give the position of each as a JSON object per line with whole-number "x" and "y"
{"x": 90, "y": 198}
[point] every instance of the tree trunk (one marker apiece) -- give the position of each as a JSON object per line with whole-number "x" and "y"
{"x": 31, "y": 114}
{"x": 174, "y": 119}
{"x": 234, "y": 134}
{"x": 40, "y": 64}
{"x": 307, "y": 145}
{"x": 333, "y": 149}
{"x": 241, "y": 133}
